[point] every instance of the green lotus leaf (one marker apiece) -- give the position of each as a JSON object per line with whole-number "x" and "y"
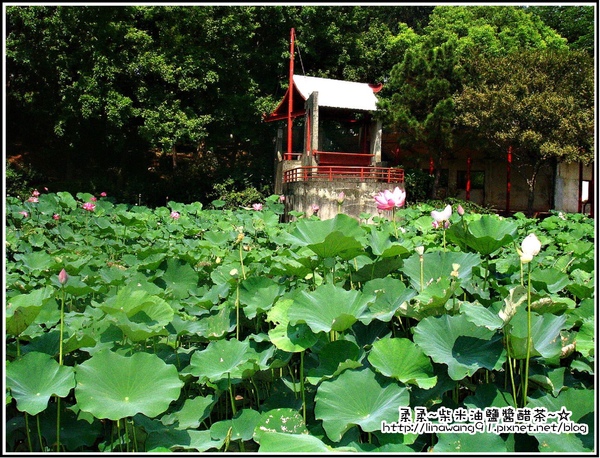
{"x": 241, "y": 425}
{"x": 294, "y": 338}
{"x": 545, "y": 334}
{"x": 390, "y": 294}
{"x": 194, "y": 410}
{"x": 23, "y": 309}
{"x": 381, "y": 245}
{"x": 179, "y": 278}
{"x": 37, "y": 261}
{"x": 138, "y": 314}
{"x": 469, "y": 443}
{"x": 164, "y": 438}
{"x": 477, "y": 314}
{"x": 585, "y": 338}
{"x": 487, "y": 395}
{"x": 66, "y": 199}
{"x": 334, "y": 358}
{"x": 34, "y": 378}
{"x": 281, "y": 420}
{"x": 287, "y": 337}
{"x": 223, "y": 358}
{"x": 463, "y": 346}
{"x": 338, "y": 236}
{"x": 328, "y": 307}
{"x": 276, "y": 442}
{"x": 581, "y": 406}
{"x": 490, "y": 233}
{"x": 404, "y": 361}
{"x": 551, "y": 280}
{"x": 257, "y": 294}
{"x": 360, "y": 398}
{"x": 433, "y": 300}
{"x": 114, "y": 386}
{"x": 438, "y": 264}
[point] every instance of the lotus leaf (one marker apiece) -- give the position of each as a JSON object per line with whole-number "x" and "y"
{"x": 545, "y": 334}
{"x": 276, "y": 442}
{"x": 404, "y": 361}
{"x": 114, "y": 386}
{"x": 338, "y": 236}
{"x": 460, "y": 344}
{"x": 334, "y": 358}
{"x": 580, "y": 405}
{"x": 33, "y": 392}
{"x": 358, "y": 397}
{"x": 22, "y": 310}
{"x": 138, "y": 314}
{"x": 223, "y": 358}
{"x": 438, "y": 264}
{"x": 281, "y": 420}
{"x": 240, "y": 427}
{"x": 328, "y": 307}
{"x": 257, "y": 294}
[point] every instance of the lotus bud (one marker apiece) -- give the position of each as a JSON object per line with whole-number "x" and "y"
{"x": 63, "y": 277}
{"x": 420, "y": 250}
{"x": 460, "y": 210}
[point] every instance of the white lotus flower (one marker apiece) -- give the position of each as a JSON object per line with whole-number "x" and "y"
{"x": 444, "y": 215}
{"x": 529, "y": 248}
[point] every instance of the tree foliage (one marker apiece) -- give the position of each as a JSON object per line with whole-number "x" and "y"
{"x": 111, "y": 96}
{"x": 418, "y": 99}
{"x": 539, "y": 102}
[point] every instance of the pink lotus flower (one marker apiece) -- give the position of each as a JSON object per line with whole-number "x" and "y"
{"x": 340, "y": 198}
{"x": 24, "y": 213}
{"x": 56, "y": 216}
{"x": 102, "y": 194}
{"x": 35, "y": 193}
{"x": 93, "y": 199}
{"x": 33, "y": 199}
{"x": 63, "y": 277}
{"x": 282, "y": 198}
{"x": 175, "y": 215}
{"x": 388, "y": 200}
{"x": 257, "y": 207}
{"x": 88, "y": 206}
{"x": 460, "y": 210}
{"x": 314, "y": 208}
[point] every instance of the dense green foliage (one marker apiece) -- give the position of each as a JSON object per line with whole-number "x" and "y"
{"x": 539, "y": 103}
{"x": 181, "y": 328}
{"x": 103, "y": 96}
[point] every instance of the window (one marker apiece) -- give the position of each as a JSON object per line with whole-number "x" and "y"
{"x": 477, "y": 179}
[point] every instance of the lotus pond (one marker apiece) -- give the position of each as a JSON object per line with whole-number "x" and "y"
{"x": 184, "y": 329}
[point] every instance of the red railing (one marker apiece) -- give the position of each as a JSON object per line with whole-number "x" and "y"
{"x": 334, "y": 173}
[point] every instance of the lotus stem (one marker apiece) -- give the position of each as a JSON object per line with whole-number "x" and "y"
{"x": 28, "y": 432}
{"x": 234, "y": 411}
{"x": 526, "y": 382}
{"x": 421, "y": 260}
{"x": 302, "y": 386}
{"x": 237, "y": 311}
{"x": 39, "y": 430}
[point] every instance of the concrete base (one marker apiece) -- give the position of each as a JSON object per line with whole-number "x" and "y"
{"x": 302, "y": 195}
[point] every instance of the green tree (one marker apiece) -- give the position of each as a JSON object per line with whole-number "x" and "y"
{"x": 417, "y": 102}
{"x": 574, "y": 22}
{"x": 539, "y": 102}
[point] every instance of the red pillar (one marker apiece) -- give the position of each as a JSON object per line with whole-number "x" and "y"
{"x": 290, "y": 97}
{"x": 468, "y": 187}
{"x": 508, "y": 163}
